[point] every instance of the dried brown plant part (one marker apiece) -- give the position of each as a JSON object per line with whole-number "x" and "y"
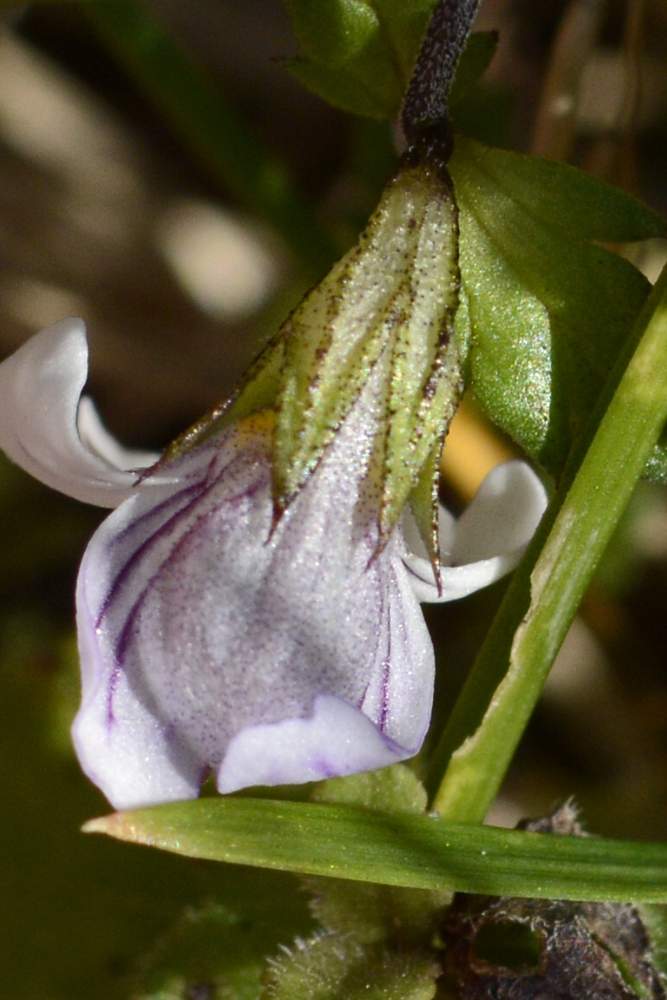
{"x": 533, "y": 949}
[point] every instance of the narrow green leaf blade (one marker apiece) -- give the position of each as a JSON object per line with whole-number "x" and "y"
{"x": 397, "y": 849}
{"x": 369, "y": 912}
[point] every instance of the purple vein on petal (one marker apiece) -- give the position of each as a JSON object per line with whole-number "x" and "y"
{"x": 360, "y": 703}
{"x": 148, "y": 543}
{"x": 171, "y": 500}
{"x": 126, "y": 631}
{"x": 196, "y": 491}
{"x": 159, "y": 508}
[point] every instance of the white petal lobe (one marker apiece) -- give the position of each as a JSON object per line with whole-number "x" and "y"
{"x": 96, "y": 438}
{"x": 298, "y": 750}
{"x": 489, "y": 538}
{"x": 40, "y": 391}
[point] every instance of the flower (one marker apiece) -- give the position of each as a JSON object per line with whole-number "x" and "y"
{"x": 213, "y": 640}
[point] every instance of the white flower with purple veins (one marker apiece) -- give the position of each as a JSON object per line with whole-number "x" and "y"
{"x": 251, "y": 607}
{"x": 213, "y": 640}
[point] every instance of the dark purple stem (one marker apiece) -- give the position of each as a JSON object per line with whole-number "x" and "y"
{"x": 425, "y": 109}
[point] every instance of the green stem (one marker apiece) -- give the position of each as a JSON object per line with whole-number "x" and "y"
{"x": 508, "y": 676}
{"x": 212, "y": 128}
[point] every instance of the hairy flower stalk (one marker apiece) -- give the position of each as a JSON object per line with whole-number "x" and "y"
{"x": 250, "y": 609}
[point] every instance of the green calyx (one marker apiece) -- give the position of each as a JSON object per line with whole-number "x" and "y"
{"x": 385, "y": 312}
{"x": 379, "y": 332}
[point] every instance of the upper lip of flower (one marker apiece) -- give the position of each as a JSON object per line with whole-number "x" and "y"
{"x": 54, "y": 434}
{"x": 158, "y": 575}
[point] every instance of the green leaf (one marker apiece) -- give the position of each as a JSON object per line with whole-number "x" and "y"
{"x": 392, "y": 789}
{"x": 334, "y": 966}
{"x": 374, "y": 913}
{"x": 359, "y": 54}
{"x": 345, "y": 56}
{"x": 210, "y": 947}
{"x": 549, "y": 310}
{"x": 335, "y": 32}
{"x": 347, "y": 89}
{"x": 397, "y": 849}
{"x": 567, "y": 201}
{"x": 403, "y": 25}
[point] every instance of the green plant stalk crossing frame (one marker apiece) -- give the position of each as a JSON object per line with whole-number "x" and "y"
{"x": 508, "y": 676}
{"x": 402, "y": 849}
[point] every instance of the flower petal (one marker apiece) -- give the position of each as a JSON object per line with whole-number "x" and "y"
{"x": 96, "y": 438}
{"x": 503, "y": 515}
{"x": 338, "y": 739}
{"x": 488, "y": 539}
{"x": 130, "y": 757}
{"x": 40, "y": 389}
{"x": 194, "y": 614}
